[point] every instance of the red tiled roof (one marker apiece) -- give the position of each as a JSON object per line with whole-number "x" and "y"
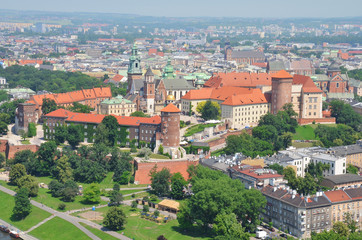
{"x": 255, "y": 97}
{"x": 243, "y": 79}
{"x": 30, "y": 61}
{"x": 229, "y": 95}
{"x": 260, "y": 64}
{"x": 117, "y": 78}
{"x": 170, "y": 108}
{"x": 307, "y": 82}
{"x": 337, "y": 196}
{"x": 97, "y": 118}
{"x": 282, "y": 74}
{"x": 76, "y": 96}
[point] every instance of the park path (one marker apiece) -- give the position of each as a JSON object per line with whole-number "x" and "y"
{"x": 74, "y": 220}
{"x": 23, "y": 235}
{"x": 41, "y": 223}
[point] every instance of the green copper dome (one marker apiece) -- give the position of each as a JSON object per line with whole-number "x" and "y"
{"x": 168, "y": 71}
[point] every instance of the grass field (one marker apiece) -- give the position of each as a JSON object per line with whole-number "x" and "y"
{"x": 6, "y": 208}
{"x": 158, "y": 156}
{"x": 302, "y": 144}
{"x": 142, "y": 229}
{"x": 124, "y": 192}
{"x": 305, "y": 132}
{"x": 98, "y": 233}
{"x": 198, "y": 128}
{"x": 46, "y": 198}
{"x": 58, "y": 229}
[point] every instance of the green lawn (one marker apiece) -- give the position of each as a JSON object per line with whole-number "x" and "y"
{"x": 106, "y": 183}
{"x": 302, "y": 144}
{"x": 124, "y": 192}
{"x": 25, "y": 142}
{"x": 58, "y": 229}
{"x": 314, "y": 126}
{"x": 142, "y": 229}
{"x": 46, "y": 198}
{"x": 158, "y": 156}
{"x": 98, "y": 233}
{"x": 305, "y": 132}
{"x": 198, "y": 128}
{"x": 6, "y": 208}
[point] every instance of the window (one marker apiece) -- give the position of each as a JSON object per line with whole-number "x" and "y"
{"x": 337, "y": 85}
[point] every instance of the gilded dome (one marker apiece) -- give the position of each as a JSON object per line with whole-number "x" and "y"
{"x": 170, "y": 98}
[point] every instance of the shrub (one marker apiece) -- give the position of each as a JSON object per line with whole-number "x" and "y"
{"x": 61, "y": 206}
{"x": 146, "y": 208}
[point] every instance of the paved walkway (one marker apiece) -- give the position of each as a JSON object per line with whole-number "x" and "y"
{"x": 23, "y": 235}
{"x": 41, "y": 223}
{"x": 74, "y": 220}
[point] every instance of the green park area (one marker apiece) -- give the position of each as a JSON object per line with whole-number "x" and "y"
{"x": 58, "y": 229}
{"x": 98, "y": 233}
{"x": 305, "y": 132}
{"x": 6, "y": 208}
{"x": 143, "y": 229}
{"x": 198, "y": 128}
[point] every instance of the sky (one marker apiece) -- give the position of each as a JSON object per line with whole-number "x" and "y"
{"x": 199, "y": 8}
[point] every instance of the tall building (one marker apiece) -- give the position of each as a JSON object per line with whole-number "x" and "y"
{"x": 281, "y": 90}
{"x": 149, "y": 91}
{"x": 134, "y": 68}
{"x": 170, "y": 132}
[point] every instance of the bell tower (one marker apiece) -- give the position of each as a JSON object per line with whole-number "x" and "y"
{"x": 134, "y": 68}
{"x": 149, "y": 90}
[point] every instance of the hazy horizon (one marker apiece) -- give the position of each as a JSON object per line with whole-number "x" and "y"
{"x": 202, "y": 8}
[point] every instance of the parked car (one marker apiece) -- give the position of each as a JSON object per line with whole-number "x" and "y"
{"x": 283, "y": 235}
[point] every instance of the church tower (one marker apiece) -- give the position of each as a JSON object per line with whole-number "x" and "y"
{"x": 149, "y": 90}
{"x": 134, "y": 68}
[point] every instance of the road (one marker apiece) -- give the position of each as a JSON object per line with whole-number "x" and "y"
{"x": 74, "y": 220}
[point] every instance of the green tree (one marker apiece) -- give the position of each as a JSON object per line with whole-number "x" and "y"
{"x": 134, "y": 204}
{"x": 23, "y": 134}
{"x": 101, "y": 135}
{"x": 30, "y": 183}
{"x": 209, "y": 110}
{"x": 216, "y": 193}
{"x": 177, "y": 185}
{"x": 352, "y": 169}
{"x": 277, "y": 168}
{"x": 22, "y": 206}
{"x": 145, "y": 208}
{"x": 48, "y": 105}
{"x": 75, "y": 135}
{"x": 111, "y": 124}
{"x": 139, "y": 114}
{"x": 226, "y": 226}
{"x": 115, "y": 198}
{"x": 350, "y": 222}
{"x": 341, "y": 229}
{"x": 69, "y": 191}
{"x": 161, "y": 182}
{"x": 63, "y": 172}
{"x": 56, "y": 188}
{"x": 60, "y": 134}
{"x": 92, "y": 194}
{"x": 116, "y": 187}
{"x": 31, "y": 130}
{"x": 46, "y": 158}
{"x": 2, "y": 160}
{"x": 3, "y": 128}
{"x": 115, "y": 219}
{"x": 16, "y": 173}
{"x": 160, "y": 149}
{"x": 78, "y": 107}
{"x": 345, "y": 114}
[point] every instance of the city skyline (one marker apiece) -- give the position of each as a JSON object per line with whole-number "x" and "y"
{"x": 188, "y": 8}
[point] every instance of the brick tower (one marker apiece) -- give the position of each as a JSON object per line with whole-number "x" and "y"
{"x": 170, "y": 131}
{"x": 149, "y": 91}
{"x": 281, "y": 90}
{"x": 25, "y": 113}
